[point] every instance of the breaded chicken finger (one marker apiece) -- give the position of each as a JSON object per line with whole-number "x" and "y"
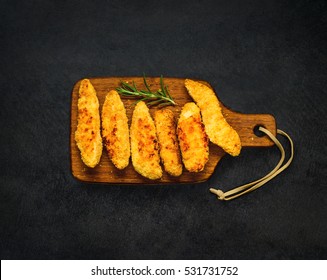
{"x": 192, "y": 138}
{"x": 144, "y": 143}
{"x": 87, "y": 134}
{"x": 115, "y": 130}
{"x": 168, "y": 143}
{"x": 216, "y": 126}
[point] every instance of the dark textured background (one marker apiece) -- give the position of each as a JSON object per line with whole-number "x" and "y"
{"x": 260, "y": 56}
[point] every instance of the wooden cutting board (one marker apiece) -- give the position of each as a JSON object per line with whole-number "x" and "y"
{"x": 106, "y": 172}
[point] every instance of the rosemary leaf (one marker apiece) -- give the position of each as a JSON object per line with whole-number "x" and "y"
{"x": 146, "y": 84}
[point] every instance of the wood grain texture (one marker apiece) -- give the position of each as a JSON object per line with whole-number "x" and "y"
{"x": 106, "y": 172}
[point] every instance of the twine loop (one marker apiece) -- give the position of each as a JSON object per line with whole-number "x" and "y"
{"x": 238, "y": 191}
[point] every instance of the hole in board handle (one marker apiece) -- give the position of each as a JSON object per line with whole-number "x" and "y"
{"x": 257, "y": 132}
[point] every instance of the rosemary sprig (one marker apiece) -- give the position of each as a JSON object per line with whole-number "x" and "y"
{"x": 161, "y": 97}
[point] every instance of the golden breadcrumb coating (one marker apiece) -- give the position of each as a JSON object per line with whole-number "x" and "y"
{"x": 87, "y": 134}
{"x": 115, "y": 131}
{"x": 216, "y": 126}
{"x": 192, "y": 138}
{"x": 144, "y": 143}
{"x": 169, "y": 149}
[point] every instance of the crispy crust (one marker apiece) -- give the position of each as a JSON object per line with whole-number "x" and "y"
{"x": 115, "y": 132}
{"x": 168, "y": 143}
{"x": 144, "y": 143}
{"x": 216, "y": 126}
{"x": 87, "y": 134}
{"x": 192, "y": 138}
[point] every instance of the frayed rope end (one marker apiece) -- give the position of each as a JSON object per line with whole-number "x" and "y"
{"x": 220, "y": 194}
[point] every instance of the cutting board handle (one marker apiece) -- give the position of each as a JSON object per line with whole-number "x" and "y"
{"x": 247, "y": 126}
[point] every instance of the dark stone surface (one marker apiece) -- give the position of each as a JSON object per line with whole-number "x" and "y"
{"x": 260, "y": 56}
